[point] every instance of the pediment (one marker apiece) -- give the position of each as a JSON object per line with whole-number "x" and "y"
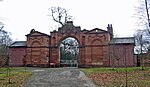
{"x": 96, "y": 30}
{"x": 36, "y": 33}
{"x": 69, "y": 28}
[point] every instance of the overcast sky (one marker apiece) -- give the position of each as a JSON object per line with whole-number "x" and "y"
{"x": 20, "y": 16}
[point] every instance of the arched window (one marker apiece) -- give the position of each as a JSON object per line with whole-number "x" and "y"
{"x": 35, "y": 44}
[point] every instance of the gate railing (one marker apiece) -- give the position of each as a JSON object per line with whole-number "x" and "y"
{"x": 69, "y": 62}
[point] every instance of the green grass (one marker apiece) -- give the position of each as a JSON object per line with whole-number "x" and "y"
{"x": 108, "y": 77}
{"x": 105, "y": 69}
{"x": 13, "y": 77}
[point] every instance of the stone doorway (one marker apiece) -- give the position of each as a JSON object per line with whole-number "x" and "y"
{"x": 68, "y": 52}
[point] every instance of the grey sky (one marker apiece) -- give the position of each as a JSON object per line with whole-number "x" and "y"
{"x": 20, "y": 16}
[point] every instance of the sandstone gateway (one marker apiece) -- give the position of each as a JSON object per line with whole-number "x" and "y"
{"x": 97, "y": 48}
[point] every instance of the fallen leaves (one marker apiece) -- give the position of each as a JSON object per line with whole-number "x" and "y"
{"x": 110, "y": 78}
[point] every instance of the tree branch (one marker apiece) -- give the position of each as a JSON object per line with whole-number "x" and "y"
{"x": 60, "y": 15}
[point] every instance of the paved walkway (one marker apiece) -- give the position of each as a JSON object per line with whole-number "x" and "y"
{"x": 58, "y": 77}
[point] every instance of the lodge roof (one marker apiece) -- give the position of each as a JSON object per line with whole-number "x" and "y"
{"x": 18, "y": 44}
{"x": 122, "y": 40}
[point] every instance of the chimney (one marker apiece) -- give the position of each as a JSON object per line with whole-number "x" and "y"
{"x": 110, "y": 30}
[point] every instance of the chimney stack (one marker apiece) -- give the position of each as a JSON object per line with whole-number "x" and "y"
{"x": 110, "y": 30}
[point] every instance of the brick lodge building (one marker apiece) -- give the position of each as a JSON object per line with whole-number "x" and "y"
{"x": 96, "y": 48}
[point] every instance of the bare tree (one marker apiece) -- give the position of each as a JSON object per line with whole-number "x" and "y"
{"x": 142, "y": 36}
{"x": 60, "y": 15}
{"x": 142, "y": 13}
{"x": 139, "y": 45}
{"x": 142, "y": 43}
{"x": 142, "y": 16}
{"x": 5, "y": 41}
{"x": 1, "y": 26}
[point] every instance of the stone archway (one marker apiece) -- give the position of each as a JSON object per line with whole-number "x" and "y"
{"x": 68, "y": 30}
{"x": 68, "y": 52}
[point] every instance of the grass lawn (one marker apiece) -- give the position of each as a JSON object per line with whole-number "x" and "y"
{"x": 13, "y": 77}
{"x": 108, "y": 77}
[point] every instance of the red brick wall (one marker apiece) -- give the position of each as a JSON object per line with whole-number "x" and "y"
{"x": 96, "y": 50}
{"x": 118, "y": 53}
{"x": 16, "y": 56}
{"x": 93, "y": 48}
{"x": 37, "y": 52}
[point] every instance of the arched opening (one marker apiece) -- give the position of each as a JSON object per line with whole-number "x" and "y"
{"x": 35, "y": 53}
{"x": 69, "y": 50}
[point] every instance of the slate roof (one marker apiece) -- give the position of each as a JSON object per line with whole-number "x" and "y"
{"x": 18, "y": 44}
{"x": 124, "y": 40}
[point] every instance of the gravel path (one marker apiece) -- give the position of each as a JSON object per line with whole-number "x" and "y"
{"x": 58, "y": 77}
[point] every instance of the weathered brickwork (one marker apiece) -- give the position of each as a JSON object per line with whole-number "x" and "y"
{"x": 122, "y": 55}
{"x": 94, "y": 48}
{"x": 93, "y": 45}
{"x": 16, "y": 56}
{"x": 37, "y": 51}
